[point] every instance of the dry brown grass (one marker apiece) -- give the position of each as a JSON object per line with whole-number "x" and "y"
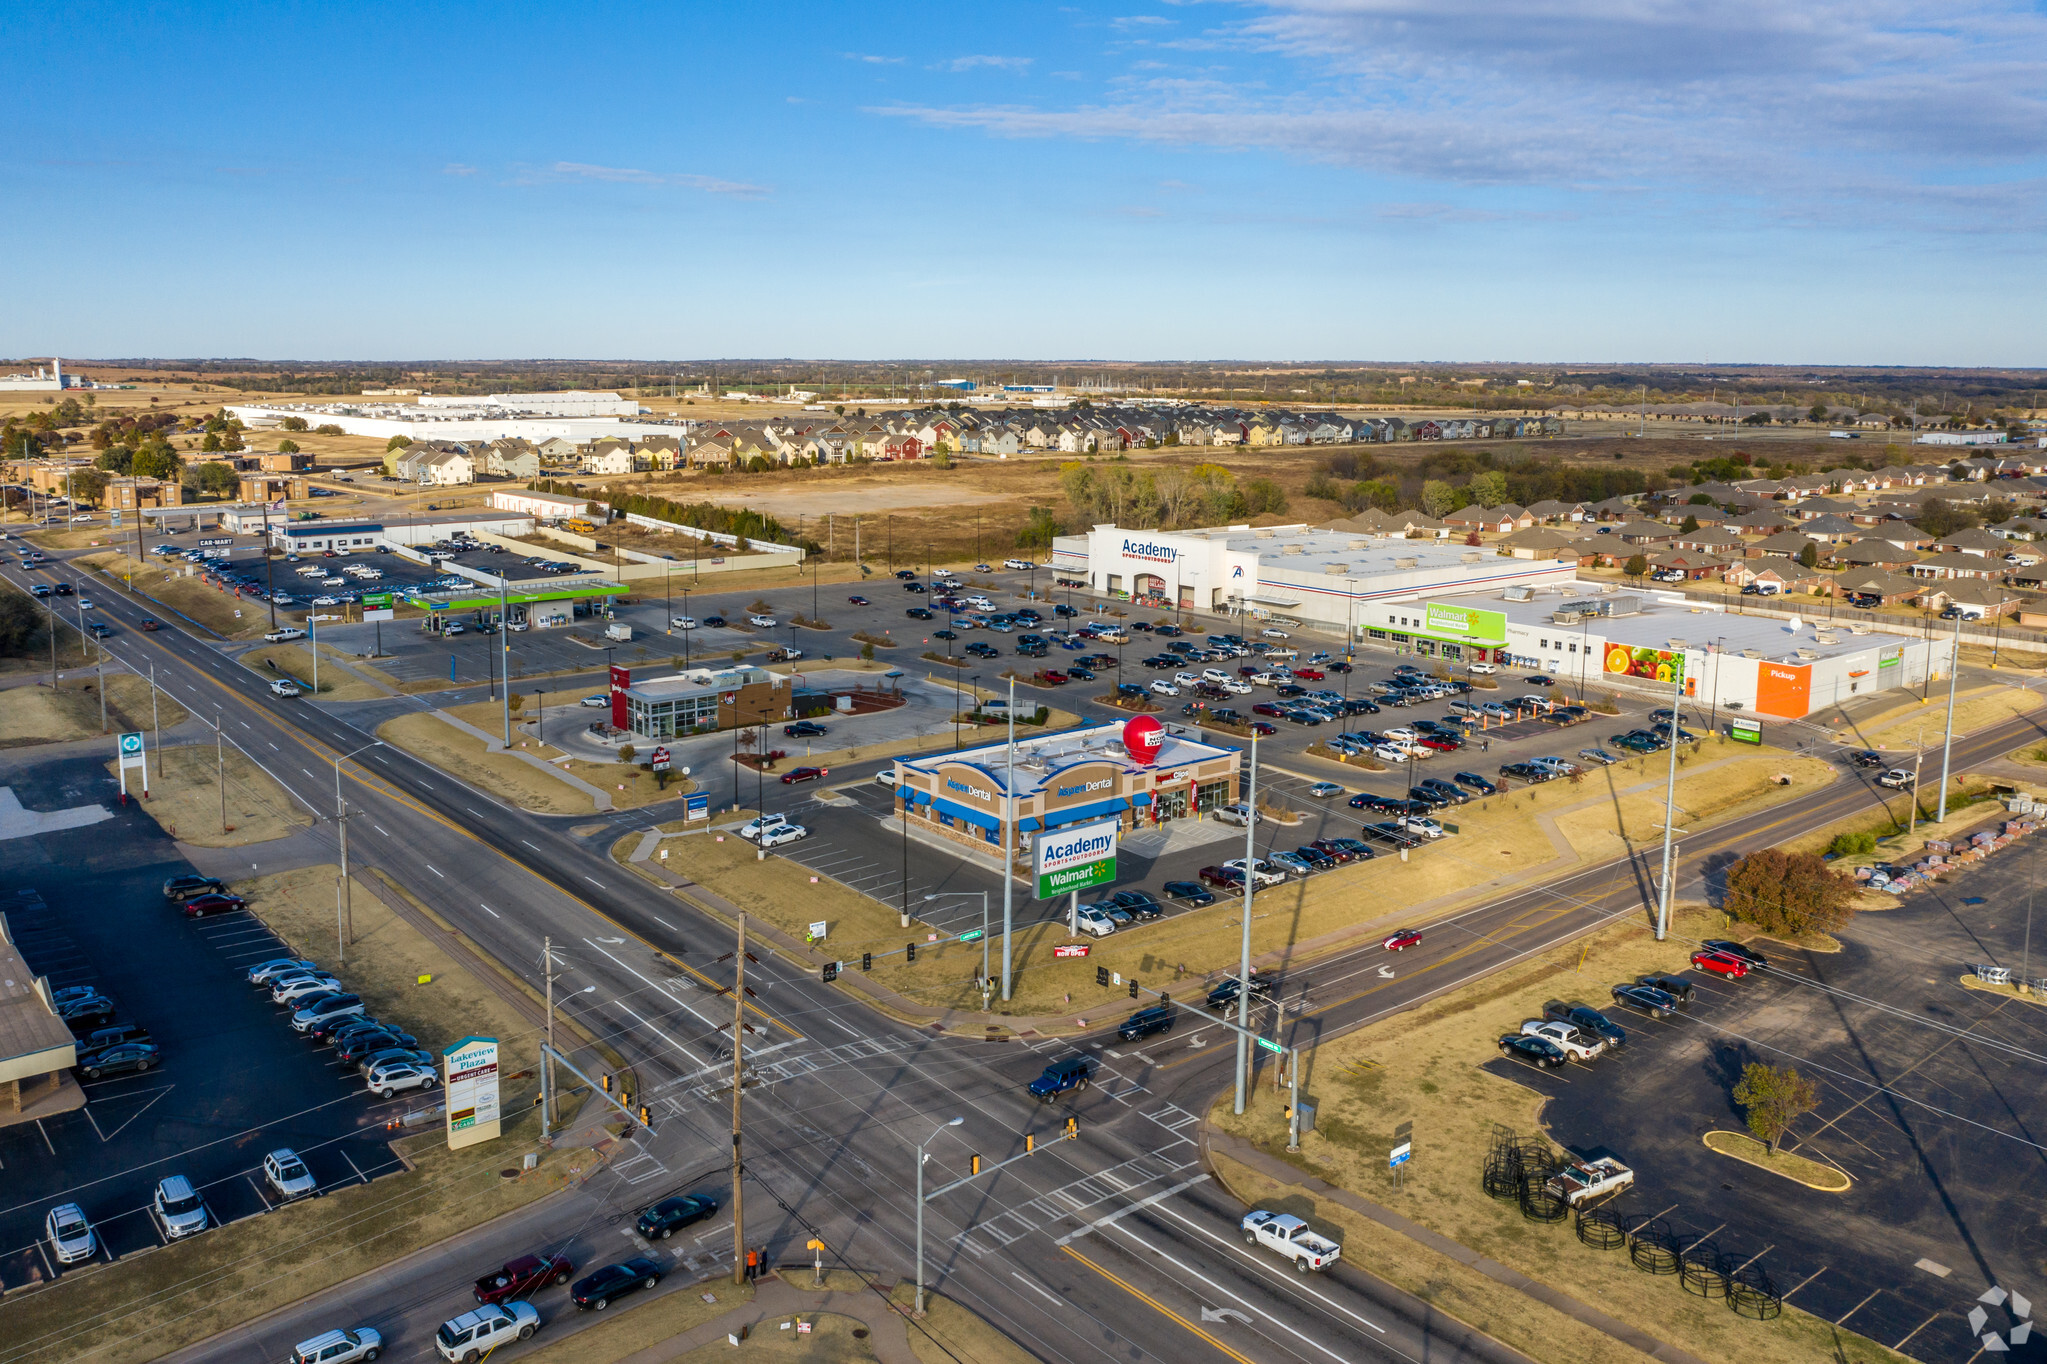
{"x": 37, "y": 715}
{"x": 1973, "y": 711}
{"x": 462, "y": 756}
{"x": 1423, "y": 1066}
{"x": 186, "y": 799}
{"x": 630, "y": 785}
{"x": 187, "y": 596}
{"x": 296, "y": 662}
{"x": 1811, "y": 1173}
{"x": 628, "y": 1331}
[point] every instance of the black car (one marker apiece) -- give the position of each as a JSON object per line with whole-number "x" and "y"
{"x": 1225, "y": 994}
{"x": 1358, "y": 705}
{"x": 1339, "y": 850}
{"x": 353, "y": 1048}
{"x": 660, "y": 1222}
{"x": 101, "y": 1038}
{"x": 1447, "y": 791}
{"x": 1538, "y": 680}
{"x": 919, "y": 613}
{"x": 1476, "y": 783}
{"x": 714, "y": 621}
{"x": 1429, "y": 797}
{"x": 1392, "y": 833}
{"x": 944, "y": 634}
{"x": 1137, "y": 904}
{"x": 595, "y": 1291}
{"x": 1385, "y": 805}
{"x": 1647, "y": 998}
{"x": 1868, "y": 758}
{"x": 980, "y": 650}
{"x": 86, "y": 1012}
{"x": 1129, "y": 689}
{"x": 1145, "y": 1022}
{"x": 805, "y": 729}
{"x": 1524, "y": 772}
{"x": 1538, "y": 1050}
{"x": 1188, "y": 893}
{"x": 1315, "y": 857}
{"x": 1587, "y": 1020}
{"x": 184, "y": 887}
{"x": 117, "y": 1059}
{"x": 1081, "y": 674}
{"x": 1756, "y": 960}
{"x": 1677, "y": 987}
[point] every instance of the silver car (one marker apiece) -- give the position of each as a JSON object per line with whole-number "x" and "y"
{"x": 71, "y": 1236}
{"x": 288, "y": 1176}
{"x": 177, "y": 1209}
{"x": 338, "y": 1347}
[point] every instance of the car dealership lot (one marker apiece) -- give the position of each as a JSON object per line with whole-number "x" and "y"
{"x": 234, "y": 1081}
{"x": 1929, "y": 1101}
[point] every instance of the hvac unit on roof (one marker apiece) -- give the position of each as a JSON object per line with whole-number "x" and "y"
{"x": 1470, "y": 556}
{"x": 1407, "y": 561}
{"x": 1336, "y": 570}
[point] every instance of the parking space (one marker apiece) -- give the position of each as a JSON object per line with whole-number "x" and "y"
{"x": 234, "y": 1081}
{"x": 1929, "y": 1101}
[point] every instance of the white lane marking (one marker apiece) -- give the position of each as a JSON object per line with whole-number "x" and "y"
{"x": 842, "y": 1027}
{"x": 662, "y": 990}
{"x": 1035, "y": 1289}
{"x": 493, "y": 913}
{"x": 664, "y": 923}
{"x": 529, "y": 845}
{"x": 472, "y": 812}
{"x": 381, "y": 829}
{"x": 423, "y": 784}
{"x": 274, "y": 748}
{"x": 595, "y": 882}
{"x": 1122, "y": 1213}
{"x": 1271, "y": 1266}
{"x": 307, "y": 773}
{"x": 657, "y": 1032}
{"x": 1189, "y": 1271}
{"x": 435, "y": 870}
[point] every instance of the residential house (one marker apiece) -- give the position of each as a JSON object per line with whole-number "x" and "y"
{"x": 1957, "y": 564}
{"x": 1646, "y": 533}
{"x": 512, "y": 457}
{"x": 1715, "y": 540}
{"x": 1540, "y": 542}
{"x": 1480, "y": 519}
{"x": 1758, "y": 523}
{"x": 1552, "y": 510}
{"x": 1874, "y": 552}
{"x": 609, "y": 457}
{"x": 1830, "y": 529}
{"x": 1992, "y": 599}
{"x": 1875, "y": 582}
{"x": 1972, "y": 541}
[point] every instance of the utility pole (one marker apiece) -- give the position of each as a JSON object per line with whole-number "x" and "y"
{"x": 1677, "y": 684}
{"x": 1918, "y": 757}
{"x": 547, "y": 1114}
{"x": 156, "y": 720}
{"x": 1009, "y": 843}
{"x": 1244, "y": 965}
{"x": 1947, "y": 739}
{"x": 220, "y": 767}
{"x": 738, "y": 1166}
{"x": 505, "y": 654}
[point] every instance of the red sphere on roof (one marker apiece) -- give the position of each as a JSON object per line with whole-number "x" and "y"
{"x": 1143, "y": 737}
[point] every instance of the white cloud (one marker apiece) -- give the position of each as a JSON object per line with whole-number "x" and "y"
{"x": 1000, "y": 63}
{"x": 1825, "y": 107}
{"x": 871, "y": 59}
{"x": 457, "y": 168}
{"x": 570, "y": 171}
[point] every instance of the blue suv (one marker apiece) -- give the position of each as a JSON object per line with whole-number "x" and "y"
{"x": 1062, "y": 1076}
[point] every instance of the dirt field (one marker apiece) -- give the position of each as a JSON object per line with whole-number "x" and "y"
{"x": 1973, "y": 711}
{"x": 36, "y": 715}
{"x": 186, "y": 799}
{"x": 1423, "y": 1066}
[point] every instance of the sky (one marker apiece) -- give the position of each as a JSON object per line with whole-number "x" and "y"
{"x": 1453, "y": 180}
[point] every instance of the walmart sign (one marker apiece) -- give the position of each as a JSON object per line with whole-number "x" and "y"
{"x": 1076, "y": 859}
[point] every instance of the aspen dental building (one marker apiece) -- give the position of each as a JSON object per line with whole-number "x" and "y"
{"x": 1296, "y": 574}
{"x": 1062, "y": 779}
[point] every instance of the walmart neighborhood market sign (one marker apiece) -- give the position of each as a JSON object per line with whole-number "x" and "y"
{"x": 1076, "y": 859}
{"x": 1466, "y": 622}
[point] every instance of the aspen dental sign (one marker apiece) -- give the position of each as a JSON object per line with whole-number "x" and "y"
{"x": 1464, "y": 622}
{"x": 1076, "y": 859}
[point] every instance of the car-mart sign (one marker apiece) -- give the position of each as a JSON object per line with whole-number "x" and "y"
{"x": 1077, "y": 858}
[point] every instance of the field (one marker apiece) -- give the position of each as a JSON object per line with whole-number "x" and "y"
{"x": 1500, "y": 841}
{"x": 186, "y": 793}
{"x": 33, "y": 714}
{"x": 1422, "y": 1066}
{"x": 296, "y": 662}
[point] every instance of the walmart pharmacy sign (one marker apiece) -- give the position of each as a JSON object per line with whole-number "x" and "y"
{"x": 1076, "y": 859}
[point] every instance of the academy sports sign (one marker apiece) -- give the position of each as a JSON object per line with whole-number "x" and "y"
{"x": 1150, "y": 553}
{"x": 1076, "y": 859}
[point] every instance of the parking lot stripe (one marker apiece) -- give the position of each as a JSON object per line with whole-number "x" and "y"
{"x": 1916, "y": 1330}
{"x": 1806, "y": 1280}
{"x": 435, "y": 870}
{"x": 1856, "y": 1308}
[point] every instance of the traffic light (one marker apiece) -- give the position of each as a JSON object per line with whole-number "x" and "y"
{"x": 1133, "y": 989}
{"x": 607, "y": 1084}
{"x": 830, "y": 972}
{"x": 1165, "y": 998}
{"x": 867, "y": 961}
{"x": 1102, "y": 976}
{"x": 910, "y": 952}
{"x": 1072, "y": 1128}
{"x": 646, "y": 1116}
{"x": 1030, "y": 1142}
{"x": 977, "y": 1165}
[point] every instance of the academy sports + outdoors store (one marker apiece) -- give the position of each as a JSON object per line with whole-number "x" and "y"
{"x": 1290, "y": 574}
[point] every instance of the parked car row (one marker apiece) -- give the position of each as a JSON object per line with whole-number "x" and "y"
{"x": 1571, "y": 1031}
{"x": 388, "y": 1059}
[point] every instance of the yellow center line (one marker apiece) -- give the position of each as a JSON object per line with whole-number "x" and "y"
{"x": 1155, "y": 1304}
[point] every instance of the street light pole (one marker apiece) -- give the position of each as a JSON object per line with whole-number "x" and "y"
{"x": 344, "y": 896}
{"x": 921, "y": 1158}
{"x": 1670, "y": 799}
{"x": 1244, "y": 964}
{"x": 1947, "y": 739}
{"x": 1009, "y": 843}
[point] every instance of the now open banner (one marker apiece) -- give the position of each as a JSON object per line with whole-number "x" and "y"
{"x": 1078, "y": 858}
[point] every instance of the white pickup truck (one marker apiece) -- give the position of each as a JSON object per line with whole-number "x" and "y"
{"x": 1575, "y": 1044}
{"x": 1291, "y": 1237}
{"x": 1585, "y": 1182}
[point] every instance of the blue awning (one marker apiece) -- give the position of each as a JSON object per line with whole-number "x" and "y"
{"x": 1141, "y": 799}
{"x": 980, "y": 819}
{"x": 911, "y": 793}
{"x": 1075, "y": 814}
{"x": 1029, "y": 824}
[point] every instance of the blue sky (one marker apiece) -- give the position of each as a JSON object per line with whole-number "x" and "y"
{"x": 1634, "y": 180}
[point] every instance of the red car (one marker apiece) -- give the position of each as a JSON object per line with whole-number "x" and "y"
{"x": 1224, "y": 877}
{"x": 149, "y": 623}
{"x": 1720, "y": 964}
{"x": 857, "y": 601}
{"x": 1260, "y": 728}
{"x": 1051, "y": 677}
{"x": 1406, "y": 937}
{"x": 199, "y": 906}
{"x": 1442, "y": 743}
{"x": 796, "y": 774}
{"x": 1309, "y": 674}
{"x": 527, "y": 1274}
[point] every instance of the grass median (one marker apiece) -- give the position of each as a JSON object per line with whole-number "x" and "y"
{"x": 296, "y": 662}
{"x": 218, "y": 610}
{"x": 218, "y": 798}
{"x": 1422, "y": 1066}
{"x": 467, "y": 758}
{"x": 630, "y": 785}
{"x": 1501, "y": 840}
{"x": 36, "y": 715}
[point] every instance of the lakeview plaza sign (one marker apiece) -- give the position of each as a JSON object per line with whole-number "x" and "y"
{"x": 1465, "y": 622}
{"x": 469, "y": 1072}
{"x": 1076, "y": 858}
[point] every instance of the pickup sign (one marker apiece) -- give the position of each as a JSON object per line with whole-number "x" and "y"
{"x": 1291, "y": 1237}
{"x": 1584, "y": 1182}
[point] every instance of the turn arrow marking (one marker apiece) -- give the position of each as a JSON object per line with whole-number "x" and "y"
{"x": 1386, "y": 972}
{"x": 1224, "y": 1314}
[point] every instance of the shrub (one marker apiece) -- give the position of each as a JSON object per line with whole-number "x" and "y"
{"x": 626, "y": 753}
{"x": 1789, "y": 894}
{"x": 1852, "y": 845}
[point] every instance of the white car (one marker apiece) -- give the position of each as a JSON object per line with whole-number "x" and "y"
{"x": 775, "y": 835}
{"x": 764, "y": 622}
{"x": 980, "y": 603}
{"x": 752, "y": 828}
{"x": 1185, "y": 680}
{"x": 292, "y": 991}
{"x": 454, "y": 627}
{"x": 1263, "y": 873}
{"x": 1024, "y": 564}
{"x": 1093, "y": 919}
{"x": 1273, "y": 632}
{"x": 1387, "y": 753}
{"x": 593, "y": 702}
{"x": 1421, "y": 824}
{"x": 85, "y": 603}
{"x": 82, "y": 517}
{"x": 1482, "y": 669}
{"x": 1573, "y": 1043}
{"x": 287, "y": 1175}
{"x": 285, "y": 687}
{"x": 326, "y": 1011}
{"x": 1401, "y": 734}
{"x": 473, "y": 1335}
{"x": 177, "y": 1209}
{"x": 1236, "y": 687}
{"x": 393, "y": 1076}
{"x": 682, "y": 622}
{"x": 338, "y": 1347}
{"x": 264, "y": 972}
{"x": 71, "y": 1236}
{"x": 1164, "y": 688}
{"x": 885, "y": 777}
{"x": 1217, "y": 676}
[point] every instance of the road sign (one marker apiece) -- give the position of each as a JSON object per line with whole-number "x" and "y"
{"x": 214, "y": 543}
{"x": 1077, "y": 949}
{"x": 660, "y": 760}
{"x": 1271, "y": 1045}
{"x": 696, "y": 807}
{"x": 817, "y": 929}
{"x": 1745, "y": 731}
{"x": 131, "y": 744}
{"x": 129, "y": 751}
{"x": 470, "y": 1073}
{"x": 971, "y": 935}
{"x": 1400, "y": 1155}
{"x": 384, "y": 614}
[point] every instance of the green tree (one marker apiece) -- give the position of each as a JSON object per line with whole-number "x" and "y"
{"x": 116, "y": 459}
{"x": 1038, "y": 529}
{"x": 1488, "y": 489}
{"x": 157, "y": 460}
{"x": 397, "y": 443}
{"x": 1438, "y": 497}
{"x": 1774, "y": 1097}
{"x": 1809, "y": 556}
{"x": 19, "y": 621}
{"x": 867, "y": 651}
{"x": 1788, "y": 895}
{"x": 218, "y": 479}
{"x": 1818, "y": 412}
{"x": 626, "y": 753}
{"x": 293, "y": 423}
{"x": 287, "y": 446}
{"x": 88, "y": 485}
{"x": 1637, "y": 566}
{"x": 1689, "y": 524}
{"x": 1698, "y": 500}
{"x": 212, "y": 445}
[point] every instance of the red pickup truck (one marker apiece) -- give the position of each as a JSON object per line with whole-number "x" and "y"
{"x": 527, "y": 1274}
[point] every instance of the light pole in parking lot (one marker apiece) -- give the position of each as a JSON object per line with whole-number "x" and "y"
{"x": 344, "y": 900}
{"x": 1009, "y": 842}
{"x": 686, "y": 633}
{"x": 1244, "y": 964}
{"x": 1947, "y": 738}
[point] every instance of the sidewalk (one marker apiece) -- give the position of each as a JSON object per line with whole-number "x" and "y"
{"x": 777, "y": 1298}
{"x": 1237, "y": 1149}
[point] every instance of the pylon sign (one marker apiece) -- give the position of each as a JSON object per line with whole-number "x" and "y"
{"x": 132, "y": 754}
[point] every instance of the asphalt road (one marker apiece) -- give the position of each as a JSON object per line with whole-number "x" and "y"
{"x": 840, "y": 1098}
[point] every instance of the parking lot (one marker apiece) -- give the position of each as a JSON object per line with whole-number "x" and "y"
{"x": 1930, "y": 1101}
{"x": 86, "y": 908}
